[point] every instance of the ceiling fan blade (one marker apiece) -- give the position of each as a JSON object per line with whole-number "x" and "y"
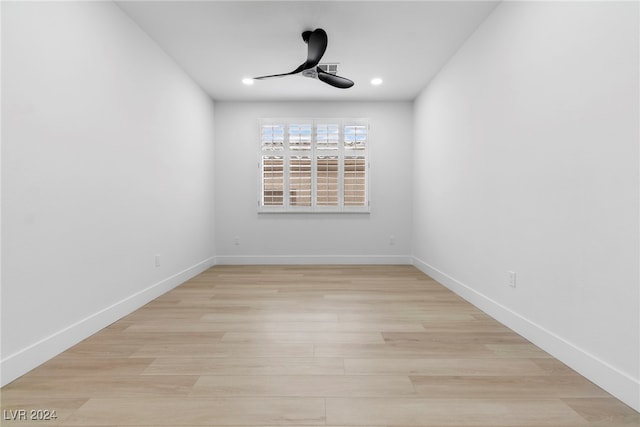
{"x": 333, "y": 80}
{"x": 317, "y": 45}
{"x": 276, "y": 75}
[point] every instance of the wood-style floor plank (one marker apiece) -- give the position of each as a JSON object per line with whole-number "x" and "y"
{"x": 192, "y": 411}
{"x": 338, "y": 346}
{"x": 505, "y": 387}
{"x": 164, "y": 326}
{"x": 257, "y": 366}
{"x": 304, "y": 385}
{"x": 304, "y": 337}
{"x": 105, "y": 386}
{"x": 89, "y": 366}
{"x": 224, "y": 350}
{"x": 450, "y": 412}
{"x": 443, "y": 367}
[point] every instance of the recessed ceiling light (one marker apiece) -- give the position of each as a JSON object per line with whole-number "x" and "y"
{"x": 247, "y": 81}
{"x": 377, "y": 81}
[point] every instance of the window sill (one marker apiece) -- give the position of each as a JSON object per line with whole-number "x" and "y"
{"x": 315, "y": 211}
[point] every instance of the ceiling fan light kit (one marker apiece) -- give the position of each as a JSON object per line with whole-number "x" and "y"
{"x": 316, "y": 41}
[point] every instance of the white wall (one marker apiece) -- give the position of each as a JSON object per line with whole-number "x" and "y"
{"x": 313, "y": 238}
{"x": 107, "y": 160}
{"x": 526, "y": 159}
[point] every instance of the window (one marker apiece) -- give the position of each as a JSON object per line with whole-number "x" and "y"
{"x": 316, "y": 165}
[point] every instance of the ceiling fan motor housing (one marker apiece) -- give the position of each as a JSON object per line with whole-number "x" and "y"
{"x": 327, "y": 68}
{"x": 311, "y": 72}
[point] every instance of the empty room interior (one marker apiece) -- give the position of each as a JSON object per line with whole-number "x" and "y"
{"x": 340, "y": 213}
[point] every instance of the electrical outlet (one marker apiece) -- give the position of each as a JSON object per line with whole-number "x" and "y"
{"x": 236, "y": 240}
{"x": 392, "y": 240}
{"x": 158, "y": 260}
{"x": 511, "y": 278}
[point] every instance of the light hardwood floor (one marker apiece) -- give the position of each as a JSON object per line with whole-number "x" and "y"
{"x": 310, "y": 345}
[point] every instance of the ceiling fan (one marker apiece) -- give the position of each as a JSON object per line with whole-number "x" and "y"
{"x": 316, "y": 41}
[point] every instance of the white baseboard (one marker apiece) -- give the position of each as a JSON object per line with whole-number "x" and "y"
{"x": 619, "y": 384}
{"x": 23, "y": 361}
{"x": 312, "y": 259}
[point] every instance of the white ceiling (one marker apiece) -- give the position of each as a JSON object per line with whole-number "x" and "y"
{"x": 218, "y": 43}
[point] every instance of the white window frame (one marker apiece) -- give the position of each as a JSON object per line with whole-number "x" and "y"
{"x": 342, "y": 153}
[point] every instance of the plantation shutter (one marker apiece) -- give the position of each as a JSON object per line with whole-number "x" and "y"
{"x": 313, "y": 165}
